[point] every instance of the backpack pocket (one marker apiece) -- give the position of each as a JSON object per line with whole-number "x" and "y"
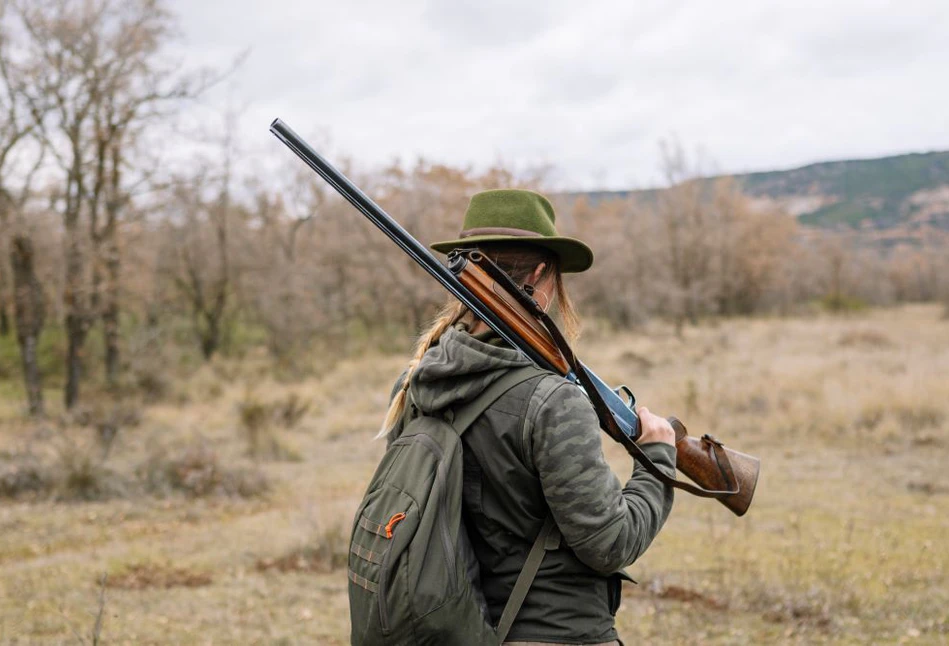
{"x": 408, "y": 579}
{"x": 383, "y": 529}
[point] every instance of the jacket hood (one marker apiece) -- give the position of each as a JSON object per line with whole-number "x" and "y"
{"x": 458, "y": 368}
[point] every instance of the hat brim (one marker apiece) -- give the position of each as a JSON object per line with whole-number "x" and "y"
{"x": 573, "y": 255}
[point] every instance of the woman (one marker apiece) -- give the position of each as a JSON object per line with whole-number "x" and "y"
{"x": 536, "y": 451}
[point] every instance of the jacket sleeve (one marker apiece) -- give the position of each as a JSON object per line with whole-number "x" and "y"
{"x": 607, "y": 525}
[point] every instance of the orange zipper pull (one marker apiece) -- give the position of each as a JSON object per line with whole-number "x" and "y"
{"x": 392, "y": 523}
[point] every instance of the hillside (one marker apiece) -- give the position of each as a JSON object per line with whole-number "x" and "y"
{"x": 881, "y": 193}
{"x": 904, "y": 194}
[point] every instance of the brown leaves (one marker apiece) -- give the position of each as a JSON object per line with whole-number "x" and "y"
{"x": 141, "y": 576}
{"x": 685, "y": 595}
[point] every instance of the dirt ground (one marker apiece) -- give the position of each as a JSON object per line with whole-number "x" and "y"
{"x": 847, "y": 541}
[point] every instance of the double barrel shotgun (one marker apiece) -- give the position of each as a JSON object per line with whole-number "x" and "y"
{"x": 511, "y": 311}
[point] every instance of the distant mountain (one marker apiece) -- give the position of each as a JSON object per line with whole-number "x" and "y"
{"x": 905, "y": 196}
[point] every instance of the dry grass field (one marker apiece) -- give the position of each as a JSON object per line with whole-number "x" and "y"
{"x": 201, "y": 542}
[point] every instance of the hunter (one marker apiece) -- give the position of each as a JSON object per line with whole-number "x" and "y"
{"x": 535, "y": 452}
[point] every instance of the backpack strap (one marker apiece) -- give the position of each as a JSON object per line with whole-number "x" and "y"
{"x": 464, "y": 416}
{"x": 547, "y": 539}
{"x": 549, "y": 536}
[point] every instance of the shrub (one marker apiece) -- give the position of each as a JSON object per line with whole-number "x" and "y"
{"x": 81, "y": 477}
{"x": 326, "y": 552}
{"x": 254, "y": 416}
{"x": 920, "y": 416}
{"x": 75, "y": 474}
{"x": 153, "y": 384}
{"x": 256, "y": 421}
{"x": 842, "y": 303}
{"x": 196, "y": 472}
{"x": 22, "y": 474}
{"x": 290, "y": 411}
{"x": 109, "y": 425}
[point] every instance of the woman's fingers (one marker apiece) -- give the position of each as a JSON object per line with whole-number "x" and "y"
{"x": 654, "y": 428}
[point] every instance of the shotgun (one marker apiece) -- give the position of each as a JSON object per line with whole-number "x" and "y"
{"x": 511, "y": 312}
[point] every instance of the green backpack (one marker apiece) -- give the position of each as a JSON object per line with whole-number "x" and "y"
{"x": 412, "y": 571}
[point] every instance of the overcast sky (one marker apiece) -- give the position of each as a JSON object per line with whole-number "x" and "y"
{"x": 588, "y": 86}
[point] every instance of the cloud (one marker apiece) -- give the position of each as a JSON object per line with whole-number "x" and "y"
{"x": 491, "y": 24}
{"x": 589, "y": 87}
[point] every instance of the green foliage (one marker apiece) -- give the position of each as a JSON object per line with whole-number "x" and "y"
{"x": 52, "y": 353}
{"x": 843, "y": 303}
{"x": 850, "y": 214}
{"x": 241, "y": 335}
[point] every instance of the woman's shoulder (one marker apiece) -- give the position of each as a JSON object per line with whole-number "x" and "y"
{"x": 557, "y": 408}
{"x": 560, "y": 425}
{"x": 555, "y": 392}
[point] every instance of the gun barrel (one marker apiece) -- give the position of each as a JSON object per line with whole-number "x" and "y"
{"x": 365, "y": 205}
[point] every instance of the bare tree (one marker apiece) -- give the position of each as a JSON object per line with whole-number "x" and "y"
{"x": 30, "y": 317}
{"x": 282, "y": 286}
{"x": 103, "y": 78}
{"x": 17, "y": 129}
{"x": 685, "y": 231}
{"x": 138, "y": 91}
{"x": 199, "y": 263}
{"x": 66, "y": 87}
{"x": 750, "y": 245}
{"x": 621, "y": 232}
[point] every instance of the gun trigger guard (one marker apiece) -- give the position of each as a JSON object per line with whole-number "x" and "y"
{"x": 624, "y": 393}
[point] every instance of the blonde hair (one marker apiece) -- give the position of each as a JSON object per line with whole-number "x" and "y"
{"x": 519, "y": 262}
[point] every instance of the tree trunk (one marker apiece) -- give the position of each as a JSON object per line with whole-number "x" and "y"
{"x": 4, "y": 320}
{"x": 110, "y": 297}
{"x": 76, "y": 315}
{"x": 110, "y": 314}
{"x": 76, "y": 337}
{"x": 4, "y": 314}
{"x": 30, "y": 312}
{"x": 210, "y": 337}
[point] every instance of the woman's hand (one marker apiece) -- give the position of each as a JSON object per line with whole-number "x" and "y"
{"x": 655, "y": 428}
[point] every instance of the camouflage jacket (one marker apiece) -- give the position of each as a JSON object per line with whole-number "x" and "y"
{"x": 536, "y": 451}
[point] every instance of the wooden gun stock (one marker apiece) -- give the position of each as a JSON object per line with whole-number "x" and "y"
{"x": 513, "y": 313}
{"x": 695, "y": 457}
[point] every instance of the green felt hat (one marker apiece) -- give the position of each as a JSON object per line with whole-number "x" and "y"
{"x": 514, "y": 215}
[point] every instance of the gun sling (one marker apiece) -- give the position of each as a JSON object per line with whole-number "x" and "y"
{"x": 715, "y": 448}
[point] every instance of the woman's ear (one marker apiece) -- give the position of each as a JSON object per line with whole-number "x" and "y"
{"x": 538, "y": 272}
